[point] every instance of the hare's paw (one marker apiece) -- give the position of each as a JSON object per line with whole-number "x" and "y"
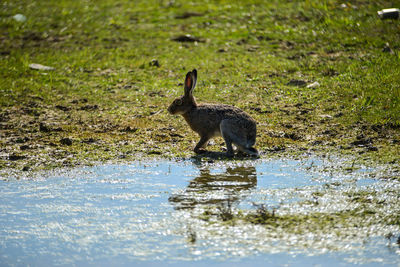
{"x": 229, "y": 154}
{"x": 200, "y": 150}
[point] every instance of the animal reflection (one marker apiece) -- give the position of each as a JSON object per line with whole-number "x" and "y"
{"x": 214, "y": 189}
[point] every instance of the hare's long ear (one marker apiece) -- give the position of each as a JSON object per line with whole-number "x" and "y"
{"x": 194, "y": 72}
{"x": 189, "y": 83}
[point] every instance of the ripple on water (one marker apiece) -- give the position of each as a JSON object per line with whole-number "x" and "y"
{"x": 184, "y": 211}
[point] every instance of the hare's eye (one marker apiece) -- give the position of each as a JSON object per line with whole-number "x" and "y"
{"x": 178, "y": 102}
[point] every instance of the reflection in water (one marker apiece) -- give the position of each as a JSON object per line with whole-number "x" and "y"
{"x": 120, "y": 215}
{"x": 220, "y": 188}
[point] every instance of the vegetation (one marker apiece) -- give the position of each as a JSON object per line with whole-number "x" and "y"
{"x": 316, "y": 75}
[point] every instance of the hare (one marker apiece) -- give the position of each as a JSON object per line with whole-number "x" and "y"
{"x": 212, "y": 120}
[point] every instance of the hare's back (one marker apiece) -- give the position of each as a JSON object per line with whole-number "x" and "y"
{"x": 219, "y": 112}
{"x": 205, "y": 119}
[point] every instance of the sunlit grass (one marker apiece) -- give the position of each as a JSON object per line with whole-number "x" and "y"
{"x": 248, "y": 53}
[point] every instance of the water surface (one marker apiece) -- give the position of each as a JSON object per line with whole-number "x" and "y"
{"x": 145, "y": 213}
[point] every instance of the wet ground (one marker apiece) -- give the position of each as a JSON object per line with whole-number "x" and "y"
{"x": 194, "y": 212}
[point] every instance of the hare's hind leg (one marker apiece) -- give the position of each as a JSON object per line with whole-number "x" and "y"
{"x": 232, "y": 133}
{"x": 250, "y": 151}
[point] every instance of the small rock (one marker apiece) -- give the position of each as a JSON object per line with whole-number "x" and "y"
{"x": 154, "y": 63}
{"x": 325, "y": 116}
{"x": 19, "y": 18}
{"x": 295, "y": 82}
{"x": 36, "y": 66}
{"x": 389, "y": 13}
{"x": 66, "y": 141}
{"x": 187, "y": 39}
{"x": 387, "y": 49}
{"x": 313, "y": 85}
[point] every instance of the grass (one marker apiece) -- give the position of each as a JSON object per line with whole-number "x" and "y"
{"x": 110, "y": 101}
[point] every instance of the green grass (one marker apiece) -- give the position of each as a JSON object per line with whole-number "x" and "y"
{"x": 250, "y": 51}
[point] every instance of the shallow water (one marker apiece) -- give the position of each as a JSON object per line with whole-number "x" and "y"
{"x": 148, "y": 212}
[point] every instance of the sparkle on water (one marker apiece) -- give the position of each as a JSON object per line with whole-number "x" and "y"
{"x": 148, "y": 212}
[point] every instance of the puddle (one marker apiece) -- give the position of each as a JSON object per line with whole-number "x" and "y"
{"x": 168, "y": 211}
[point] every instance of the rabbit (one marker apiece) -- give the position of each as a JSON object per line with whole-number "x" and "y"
{"x": 212, "y": 120}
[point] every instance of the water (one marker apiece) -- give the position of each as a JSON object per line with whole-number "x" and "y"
{"x": 151, "y": 212}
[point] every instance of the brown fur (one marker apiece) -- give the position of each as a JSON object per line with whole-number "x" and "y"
{"x": 212, "y": 120}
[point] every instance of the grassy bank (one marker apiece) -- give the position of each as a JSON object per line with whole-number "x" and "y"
{"x": 316, "y": 75}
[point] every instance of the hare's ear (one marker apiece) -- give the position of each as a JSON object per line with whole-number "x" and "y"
{"x": 194, "y": 72}
{"x": 189, "y": 82}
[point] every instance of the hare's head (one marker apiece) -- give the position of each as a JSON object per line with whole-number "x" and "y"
{"x": 183, "y": 104}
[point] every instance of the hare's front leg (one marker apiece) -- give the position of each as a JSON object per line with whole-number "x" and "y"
{"x": 203, "y": 142}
